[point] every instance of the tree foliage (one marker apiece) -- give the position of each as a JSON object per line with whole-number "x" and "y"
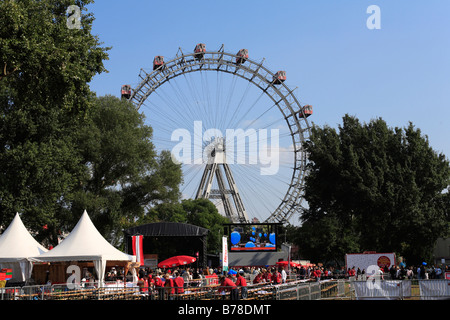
{"x": 62, "y": 149}
{"x": 371, "y": 187}
{"x": 44, "y": 96}
{"x": 124, "y": 175}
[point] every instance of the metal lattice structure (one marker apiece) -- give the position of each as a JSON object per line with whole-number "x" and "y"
{"x": 261, "y": 77}
{"x": 217, "y": 167}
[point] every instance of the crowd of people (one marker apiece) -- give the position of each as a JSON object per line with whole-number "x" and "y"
{"x": 169, "y": 283}
{"x": 402, "y": 272}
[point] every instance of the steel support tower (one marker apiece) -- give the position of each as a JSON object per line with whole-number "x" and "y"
{"x": 218, "y": 167}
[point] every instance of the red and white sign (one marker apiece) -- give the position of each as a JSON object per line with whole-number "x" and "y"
{"x": 224, "y": 254}
{"x": 138, "y": 250}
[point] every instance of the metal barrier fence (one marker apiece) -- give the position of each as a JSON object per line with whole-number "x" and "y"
{"x": 372, "y": 289}
{"x": 108, "y": 291}
{"x": 292, "y": 290}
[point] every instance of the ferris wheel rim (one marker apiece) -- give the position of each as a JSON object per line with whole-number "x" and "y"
{"x": 223, "y": 62}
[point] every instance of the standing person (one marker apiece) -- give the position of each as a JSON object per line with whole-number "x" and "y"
{"x": 438, "y": 272}
{"x": 226, "y": 284}
{"x": 146, "y": 284}
{"x": 241, "y": 282}
{"x": 234, "y": 292}
{"x": 267, "y": 276}
{"x": 159, "y": 286}
{"x": 302, "y": 273}
{"x": 423, "y": 273}
{"x": 283, "y": 275}
{"x": 351, "y": 272}
{"x": 143, "y": 284}
{"x": 169, "y": 287}
{"x": 317, "y": 274}
{"x": 187, "y": 277}
{"x": 258, "y": 278}
{"x": 393, "y": 272}
{"x": 178, "y": 282}
{"x": 409, "y": 273}
{"x": 141, "y": 273}
{"x": 276, "y": 277}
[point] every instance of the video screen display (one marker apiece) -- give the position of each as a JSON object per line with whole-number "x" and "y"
{"x": 252, "y": 237}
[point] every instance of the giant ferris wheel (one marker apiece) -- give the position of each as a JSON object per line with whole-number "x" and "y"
{"x": 206, "y": 94}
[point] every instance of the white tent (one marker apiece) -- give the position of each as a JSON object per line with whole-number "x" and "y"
{"x": 85, "y": 243}
{"x": 16, "y": 246}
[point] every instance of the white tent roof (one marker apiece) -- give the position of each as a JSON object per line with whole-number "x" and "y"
{"x": 84, "y": 243}
{"x": 16, "y": 243}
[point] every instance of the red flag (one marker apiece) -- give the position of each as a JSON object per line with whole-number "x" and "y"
{"x": 2, "y": 276}
{"x": 138, "y": 249}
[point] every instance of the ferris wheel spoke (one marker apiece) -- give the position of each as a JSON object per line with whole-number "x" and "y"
{"x": 160, "y": 122}
{"x": 238, "y": 106}
{"x": 190, "y": 101}
{"x": 188, "y": 111}
{"x": 192, "y": 174}
{"x": 239, "y": 120}
{"x": 197, "y": 97}
{"x": 219, "y": 93}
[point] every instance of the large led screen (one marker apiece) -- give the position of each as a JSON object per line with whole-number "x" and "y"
{"x": 252, "y": 237}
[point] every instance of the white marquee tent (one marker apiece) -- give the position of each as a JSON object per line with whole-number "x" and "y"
{"x": 85, "y": 243}
{"x": 16, "y": 247}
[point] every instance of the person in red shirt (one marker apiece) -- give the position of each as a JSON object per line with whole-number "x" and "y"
{"x": 241, "y": 282}
{"x": 267, "y": 276}
{"x": 144, "y": 287}
{"x": 179, "y": 283}
{"x": 276, "y": 277}
{"x": 258, "y": 278}
{"x": 226, "y": 284}
{"x": 169, "y": 287}
{"x": 351, "y": 272}
{"x": 317, "y": 273}
{"x": 159, "y": 286}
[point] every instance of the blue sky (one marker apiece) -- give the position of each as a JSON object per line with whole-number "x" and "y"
{"x": 400, "y": 72}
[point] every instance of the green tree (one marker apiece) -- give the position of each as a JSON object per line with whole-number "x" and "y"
{"x": 371, "y": 187}
{"x": 123, "y": 173}
{"x": 203, "y": 213}
{"x": 63, "y": 150}
{"x": 45, "y": 68}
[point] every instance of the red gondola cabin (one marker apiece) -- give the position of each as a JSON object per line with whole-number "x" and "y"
{"x": 200, "y": 50}
{"x": 158, "y": 62}
{"x": 126, "y": 91}
{"x": 279, "y": 77}
{"x": 307, "y": 111}
{"x": 242, "y": 56}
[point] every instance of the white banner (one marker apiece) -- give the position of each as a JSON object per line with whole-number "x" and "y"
{"x": 382, "y": 289}
{"x": 364, "y": 260}
{"x": 224, "y": 254}
{"x": 434, "y": 289}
